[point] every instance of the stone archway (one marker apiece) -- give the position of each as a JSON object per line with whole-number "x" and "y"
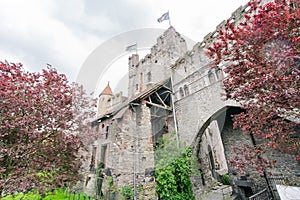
{"x": 219, "y": 127}
{"x": 211, "y": 150}
{"x": 210, "y": 159}
{"x": 220, "y": 118}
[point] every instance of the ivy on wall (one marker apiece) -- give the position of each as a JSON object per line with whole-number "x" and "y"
{"x": 173, "y": 170}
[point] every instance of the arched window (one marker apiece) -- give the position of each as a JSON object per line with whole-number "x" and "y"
{"x": 181, "y": 92}
{"x": 106, "y": 132}
{"x": 149, "y": 77}
{"x": 211, "y": 77}
{"x": 136, "y": 87}
{"x": 186, "y": 90}
{"x": 219, "y": 73}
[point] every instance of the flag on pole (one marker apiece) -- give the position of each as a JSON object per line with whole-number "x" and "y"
{"x": 132, "y": 47}
{"x": 165, "y": 16}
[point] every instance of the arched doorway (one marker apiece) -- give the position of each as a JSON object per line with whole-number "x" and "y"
{"x": 210, "y": 148}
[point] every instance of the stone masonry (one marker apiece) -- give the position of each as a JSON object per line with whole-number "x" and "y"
{"x": 129, "y": 127}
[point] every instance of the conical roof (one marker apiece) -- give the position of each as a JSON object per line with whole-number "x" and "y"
{"x": 107, "y": 90}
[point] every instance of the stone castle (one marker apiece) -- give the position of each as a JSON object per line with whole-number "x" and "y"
{"x": 172, "y": 90}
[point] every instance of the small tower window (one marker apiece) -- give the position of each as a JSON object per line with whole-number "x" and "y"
{"x": 106, "y": 133}
{"x": 211, "y": 77}
{"x": 186, "y": 90}
{"x": 92, "y": 164}
{"x": 219, "y": 73}
{"x": 181, "y": 92}
{"x": 136, "y": 87}
{"x": 149, "y": 77}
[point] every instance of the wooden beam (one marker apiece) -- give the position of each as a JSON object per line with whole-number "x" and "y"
{"x": 160, "y": 106}
{"x": 160, "y": 99}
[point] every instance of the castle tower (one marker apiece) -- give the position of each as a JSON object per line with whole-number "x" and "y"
{"x": 104, "y": 101}
{"x": 133, "y": 61}
{"x": 155, "y": 66}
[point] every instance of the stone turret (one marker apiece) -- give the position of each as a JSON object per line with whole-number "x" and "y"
{"x": 155, "y": 66}
{"x": 104, "y": 101}
{"x": 133, "y": 61}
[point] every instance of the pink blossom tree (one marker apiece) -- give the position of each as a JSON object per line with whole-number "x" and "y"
{"x": 43, "y": 127}
{"x": 262, "y": 56}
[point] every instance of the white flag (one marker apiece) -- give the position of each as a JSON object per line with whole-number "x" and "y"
{"x": 165, "y": 16}
{"x": 131, "y": 47}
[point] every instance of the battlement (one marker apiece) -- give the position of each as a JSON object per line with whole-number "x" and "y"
{"x": 155, "y": 66}
{"x": 236, "y": 16}
{"x": 193, "y": 71}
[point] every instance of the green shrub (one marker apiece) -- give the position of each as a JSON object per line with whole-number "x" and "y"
{"x": 59, "y": 194}
{"x": 110, "y": 181}
{"x": 225, "y": 179}
{"x": 22, "y": 196}
{"x": 140, "y": 188}
{"x": 173, "y": 169}
{"x": 127, "y": 192}
{"x": 62, "y": 194}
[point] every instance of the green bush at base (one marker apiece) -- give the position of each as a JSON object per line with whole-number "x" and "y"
{"x": 59, "y": 194}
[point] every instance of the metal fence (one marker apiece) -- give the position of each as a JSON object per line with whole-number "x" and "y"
{"x": 262, "y": 195}
{"x": 271, "y": 192}
{"x": 276, "y": 180}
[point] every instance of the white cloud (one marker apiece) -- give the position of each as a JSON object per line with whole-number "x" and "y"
{"x": 64, "y": 33}
{"x": 33, "y": 29}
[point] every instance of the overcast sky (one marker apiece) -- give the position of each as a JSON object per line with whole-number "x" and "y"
{"x": 63, "y": 33}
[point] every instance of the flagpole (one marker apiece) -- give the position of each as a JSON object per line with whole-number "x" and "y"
{"x": 169, "y": 19}
{"x": 136, "y": 49}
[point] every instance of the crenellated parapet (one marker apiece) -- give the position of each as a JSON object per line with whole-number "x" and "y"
{"x": 236, "y": 16}
{"x": 194, "y": 70}
{"x": 155, "y": 66}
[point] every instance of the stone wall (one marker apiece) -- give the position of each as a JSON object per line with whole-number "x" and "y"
{"x": 125, "y": 148}
{"x": 155, "y": 66}
{"x": 251, "y": 182}
{"x": 194, "y": 110}
{"x": 128, "y": 138}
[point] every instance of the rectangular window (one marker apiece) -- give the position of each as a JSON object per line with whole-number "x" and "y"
{"x": 103, "y": 154}
{"x": 92, "y": 164}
